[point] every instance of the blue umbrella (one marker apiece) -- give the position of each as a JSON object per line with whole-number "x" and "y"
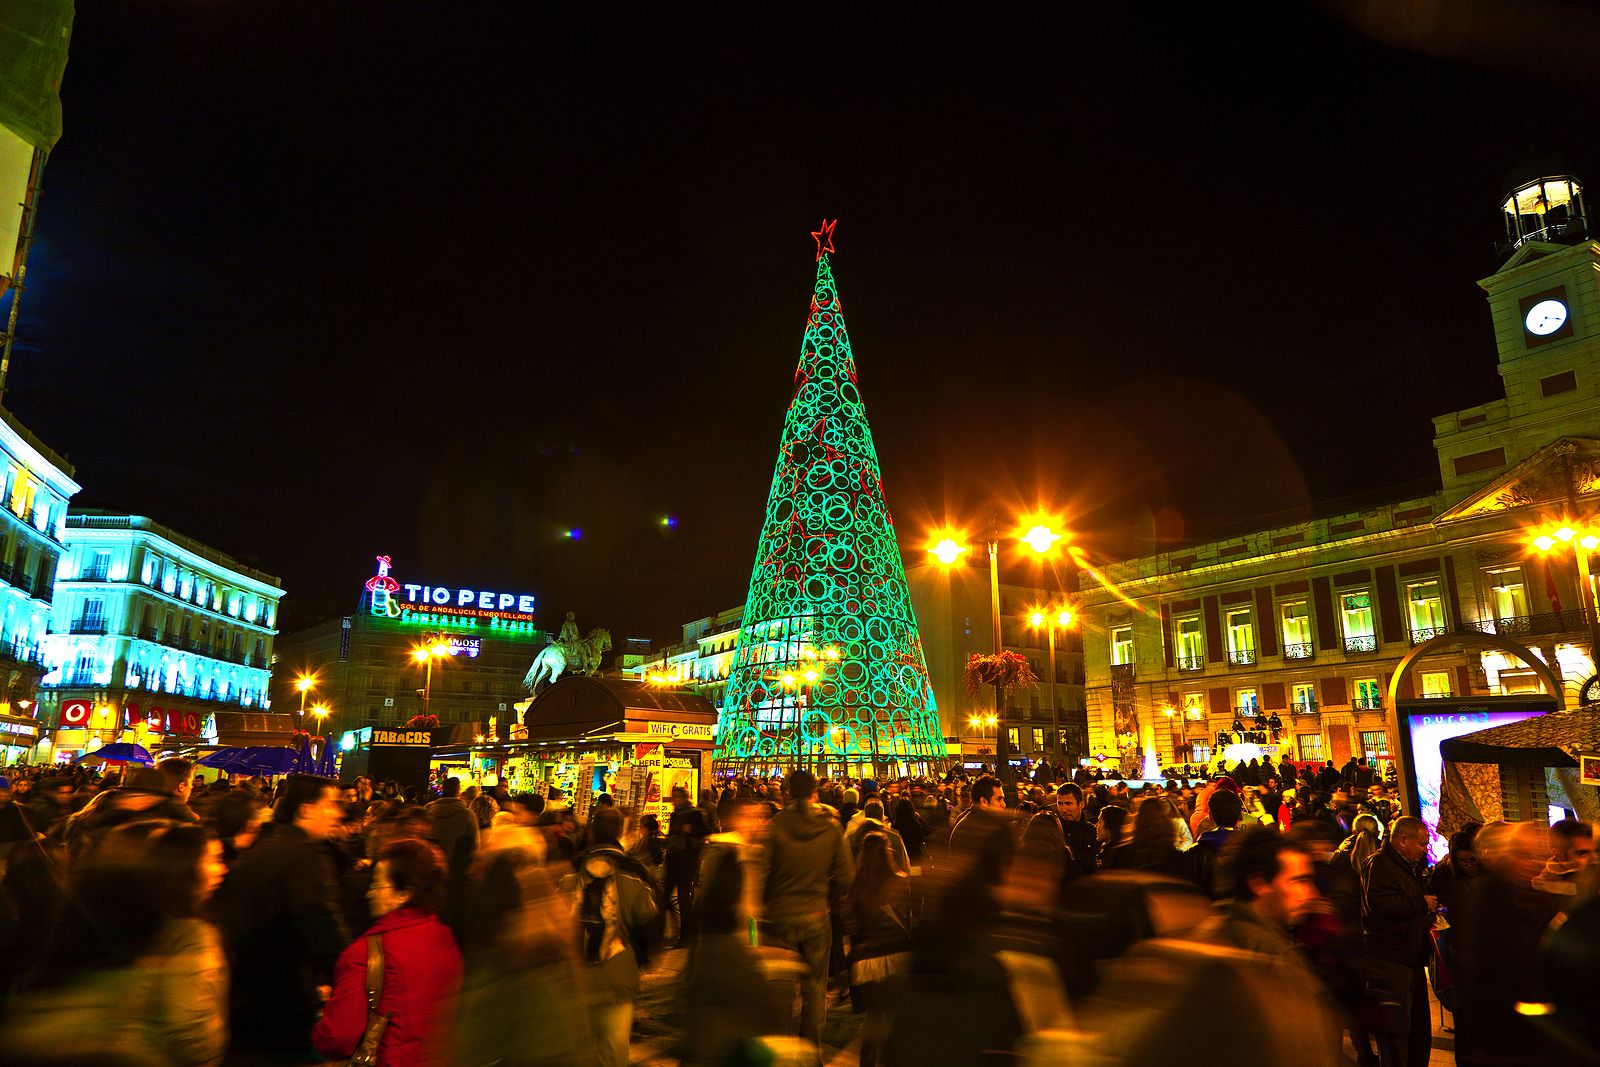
{"x": 222, "y": 758}
{"x": 327, "y": 763}
{"x": 121, "y": 752}
{"x": 266, "y": 760}
{"x": 303, "y": 763}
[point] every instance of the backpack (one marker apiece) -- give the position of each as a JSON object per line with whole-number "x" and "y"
{"x": 600, "y": 932}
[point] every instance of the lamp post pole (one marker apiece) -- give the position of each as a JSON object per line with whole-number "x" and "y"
{"x": 1002, "y": 746}
{"x": 1055, "y": 715}
{"x": 1580, "y": 553}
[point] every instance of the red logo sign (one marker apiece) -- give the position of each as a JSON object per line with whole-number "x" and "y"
{"x": 75, "y": 713}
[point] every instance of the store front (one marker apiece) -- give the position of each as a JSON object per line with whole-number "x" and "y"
{"x": 586, "y": 736}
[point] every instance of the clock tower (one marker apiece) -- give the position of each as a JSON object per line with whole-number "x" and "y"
{"x": 1545, "y": 304}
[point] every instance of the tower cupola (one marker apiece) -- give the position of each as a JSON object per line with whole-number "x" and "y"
{"x": 1545, "y": 203}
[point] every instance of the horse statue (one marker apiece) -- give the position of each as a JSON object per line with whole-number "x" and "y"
{"x": 581, "y": 656}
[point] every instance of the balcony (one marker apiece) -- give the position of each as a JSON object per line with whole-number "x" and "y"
{"x": 1297, "y": 651}
{"x": 77, "y": 680}
{"x": 96, "y": 574}
{"x": 1241, "y": 657}
{"x": 1366, "y": 643}
{"x": 1191, "y": 663}
{"x": 1367, "y": 703}
{"x": 1551, "y": 622}
{"x": 87, "y": 626}
{"x": 1427, "y": 633}
{"x": 1304, "y": 707}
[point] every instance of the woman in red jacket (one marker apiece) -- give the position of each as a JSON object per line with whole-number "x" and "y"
{"x": 421, "y": 965}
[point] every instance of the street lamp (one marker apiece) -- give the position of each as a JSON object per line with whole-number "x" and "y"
{"x": 979, "y": 722}
{"x": 425, "y": 655}
{"x": 1062, "y": 618}
{"x": 947, "y": 550}
{"x": 1583, "y": 539}
{"x": 304, "y": 683}
{"x": 321, "y": 712}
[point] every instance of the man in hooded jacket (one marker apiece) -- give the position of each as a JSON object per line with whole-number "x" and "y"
{"x": 808, "y": 875}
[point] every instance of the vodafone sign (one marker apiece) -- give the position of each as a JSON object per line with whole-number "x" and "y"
{"x": 77, "y": 714}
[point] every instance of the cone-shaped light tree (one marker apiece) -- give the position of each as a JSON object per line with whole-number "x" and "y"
{"x": 829, "y": 666}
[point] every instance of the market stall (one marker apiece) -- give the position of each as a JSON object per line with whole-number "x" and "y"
{"x": 1520, "y": 771}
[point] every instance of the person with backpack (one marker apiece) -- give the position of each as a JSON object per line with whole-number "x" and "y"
{"x": 686, "y": 834}
{"x": 616, "y": 917}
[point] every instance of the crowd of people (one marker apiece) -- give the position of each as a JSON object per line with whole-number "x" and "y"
{"x": 148, "y": 919}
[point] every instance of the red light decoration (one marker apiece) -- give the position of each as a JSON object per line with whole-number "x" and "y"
{"x": 824, "y": 237}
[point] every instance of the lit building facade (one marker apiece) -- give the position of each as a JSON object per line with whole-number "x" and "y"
{"x": 154, "y": 637}
{"x": 1307, "y": 623}
{"x": 38, "y": 487}
{"x": 363, "y": 670}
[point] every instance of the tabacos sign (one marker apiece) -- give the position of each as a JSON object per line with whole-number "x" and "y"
{"x": 391, "y": 598}
{"x": 410, "y": 738}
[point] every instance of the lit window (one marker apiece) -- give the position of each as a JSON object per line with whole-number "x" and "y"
{"x": 1247, "y": 702}
{"x": 1508, "y": 594}
{"x": 1375, "y": 743}
{"x": 1425, "y": 609}
{"x": 1368, "y": 696}
{"x": 1194, "y": 705}
{"x": 1191, "y": 643}
{"x": 1304, "y": 699}
{"x": 1436, "y": 684}
{"x": 1355, "y": 610}
{"x": 1241, "y": 637}
{"x": 1310, "y": 746}
{"x": 1296, "y": 616}
{"x": 1121, "y": 645}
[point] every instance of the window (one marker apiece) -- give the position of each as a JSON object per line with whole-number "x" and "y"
{"x": 1425, "y": 610}
{"x": 1011, "y": 738}
{"x": 1246, "y": 701}
{"x": 1241, "y": 637}
{"x": 1368, "y": 697}
{"x": 1191, "y": 643}
{"x": 83, "y": 671}
{"x": 1038, "y": 740}
{"x": 1297, "y": 643}
{"x": 99, "y": 568}
{"x": 1121, "y": 645}
{"x": 1310, "y": 746}
{"x": 1304, "y": 699}
{"x": 1508, "y": 594}
{"x": 1199, "y": 752}
{"x": 1194, "y": 706}
{"x": 1375, "y": 743}
{"x": 1436, "y": 683}
{"x": 1355, "y": 609}
{"x": 93, "y": 619}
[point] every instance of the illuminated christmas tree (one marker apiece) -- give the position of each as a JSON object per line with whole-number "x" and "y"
{"x": 829, "y": 666}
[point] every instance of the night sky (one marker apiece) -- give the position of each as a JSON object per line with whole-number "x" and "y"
{"x": 314, "y": 281}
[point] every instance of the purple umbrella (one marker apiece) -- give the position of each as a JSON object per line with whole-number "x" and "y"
{"x": 303, "y": 763}
{"x": 120, "y": 752}
{"x": 265, "y": 760}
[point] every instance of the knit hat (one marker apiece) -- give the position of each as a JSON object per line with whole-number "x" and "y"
{"x": 852, "y": 797}
{"x": 1227, "y": 782}
{"x": 869, "y": 787}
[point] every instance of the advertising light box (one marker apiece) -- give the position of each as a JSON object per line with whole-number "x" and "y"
{"x": 1425, "y": 723}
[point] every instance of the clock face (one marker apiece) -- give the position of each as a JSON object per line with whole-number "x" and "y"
{"x": 1546, "y": 317}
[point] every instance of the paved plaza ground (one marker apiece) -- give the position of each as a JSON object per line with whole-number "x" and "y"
{"x": 657, "y": 1023}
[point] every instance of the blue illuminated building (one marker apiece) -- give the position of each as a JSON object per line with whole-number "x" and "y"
{"x": 33, "y": 513}
{"x": 154, "y": 637}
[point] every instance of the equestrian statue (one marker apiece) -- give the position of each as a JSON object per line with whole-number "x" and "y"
{"x": 567, "y": 654}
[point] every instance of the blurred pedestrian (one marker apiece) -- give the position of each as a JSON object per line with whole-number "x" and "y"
{"x": 420, "y": 966}
{"x": 131, "y": 984}
{"x": 1396, "y": 915}
{"x": 280, "y": 918}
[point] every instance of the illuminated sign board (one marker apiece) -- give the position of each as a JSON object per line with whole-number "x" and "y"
{"x": 390, "y": 598}
{"x": 410, "y": 738}
{"x": 1426, "y": 723}
{"x": 699, "y": 731}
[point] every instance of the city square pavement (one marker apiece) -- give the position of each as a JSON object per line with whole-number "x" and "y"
{"x": 657, "y": 1022}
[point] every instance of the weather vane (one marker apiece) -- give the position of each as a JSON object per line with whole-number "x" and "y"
{"x": 824, "y": 237}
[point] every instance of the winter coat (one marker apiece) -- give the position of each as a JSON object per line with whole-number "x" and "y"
{"x": 169, "y": 1008}
{"x": 808, "y": 867}
{"x": 421, "y": 987}
{"x": 279, "y": 916}
{"x": 1394, "y": 915}
{"x": 1203, "y": 855}
{"x": 897, "y": 846}
{"x": 455, "y": 830}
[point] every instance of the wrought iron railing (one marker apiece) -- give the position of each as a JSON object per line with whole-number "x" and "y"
{"x": 1427, "y": 633}
{"x": 1303, "y": 707}
{"x": 88, "y": 626}
{"x": 1241, "y": 657}
{"x": 1550, "y": 622}
{"x": 1297, "y": 650}
{"x": 1368, "y": 643}
{"x": 1191, "y": 663}
{"x": 1367, "y": 703}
